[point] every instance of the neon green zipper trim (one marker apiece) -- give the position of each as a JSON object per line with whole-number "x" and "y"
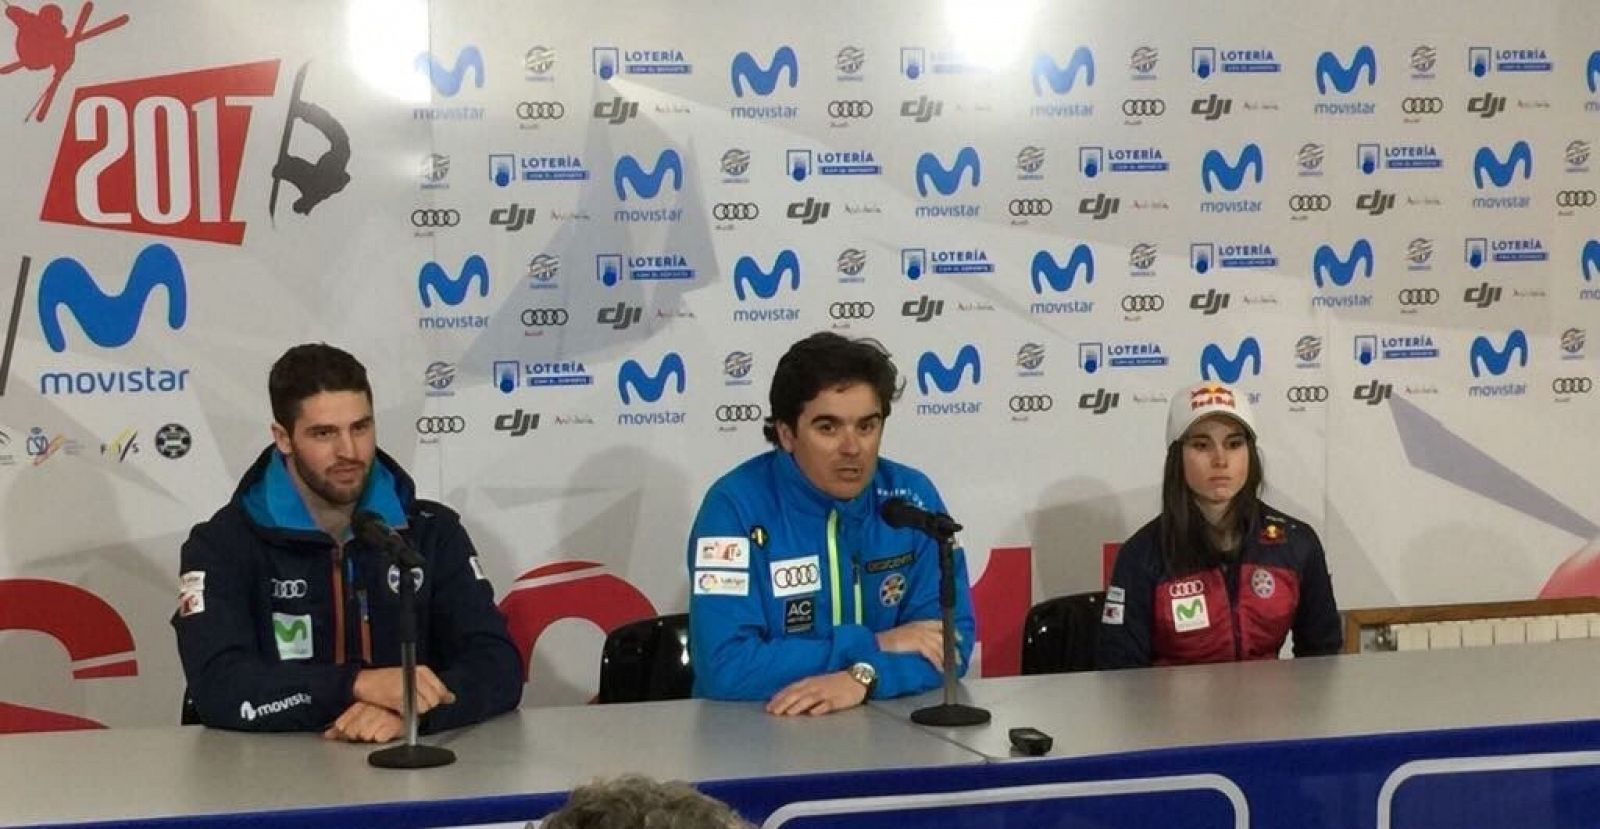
{"x": 833, "y": 571}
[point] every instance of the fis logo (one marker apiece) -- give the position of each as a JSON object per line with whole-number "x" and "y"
{"x": 765, "y": 283}
{"x": 110, "y": 320}
{"x": 1215, "y": 168}
{"x": 447, "y": 82}
{"x": 947, "y": 180}
{"x": 1487, "y": 163}
{"x": 1215, "y": 364}
{"x": 433, "y": 280}
{"x": 632, "y": 380}
{"x": 747, "y": 72}
{"x": 1061, "y": 79}
{"x": 932, "y": 372}
{"x": 1326, "y": 264}
{"x": 647, "y": 185}
{"x": 1485, "y": 356}
{"x": 1332, "y": 72}
{"x": 1060, "y": 277}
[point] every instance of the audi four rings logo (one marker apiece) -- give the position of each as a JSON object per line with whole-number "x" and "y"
{"x": 1422, "y": 106}
{"x": 535, "y": 317}
{"x": 735, "y": 211}
{"x": 799, "y": 575}
{"x": 1185, "y": 589}
{"x": 1135, "y": 107}
{"x": 1419, "y": 296}
{"x": 849, "y": 109}
{"x": 1032, "y": 403}
{"x": 1315, "y": 202}
{"x": 1571, "y": 385}
{"x": 851, "y": 310}
{"x": 740, "y": 413}
{"x": 541, "y": 110}
{"x": 1307, "y": 394}
{"x": 446, "y": 425}
{"x": 1575, "y": 198}
{"x": 1139, "y": 303}
{"x": 288, "y": 588}
{"x": 435, "y": 218}
{"x": 1031, "y": 207}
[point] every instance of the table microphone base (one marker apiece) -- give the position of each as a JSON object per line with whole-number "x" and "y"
{"x": 411, "y": 757}
{"x": 950, "y": 714}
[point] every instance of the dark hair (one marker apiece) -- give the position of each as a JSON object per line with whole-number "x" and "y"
{"x": 826, "y": 360}
{"x": 308, "y": 369}
{"x": 634, "y": 801}
{"x": 1185, "y": 544}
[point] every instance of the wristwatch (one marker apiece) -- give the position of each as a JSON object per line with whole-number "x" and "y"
{"x": 865, "y": 674}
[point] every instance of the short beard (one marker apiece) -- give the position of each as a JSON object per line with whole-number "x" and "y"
{"x": 321, "y": 486}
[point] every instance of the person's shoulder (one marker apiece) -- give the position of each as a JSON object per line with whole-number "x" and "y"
{"x": 1274, "y": 520}
{"x": 223, "y": 526}
{"x": 432, "y": 511}
{"x": 904, "y": 480}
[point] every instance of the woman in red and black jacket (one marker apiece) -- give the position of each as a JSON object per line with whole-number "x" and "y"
{"x": 1219, "y": 576}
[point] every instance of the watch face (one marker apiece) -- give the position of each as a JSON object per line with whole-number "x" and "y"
{"x": 863, "y": 673}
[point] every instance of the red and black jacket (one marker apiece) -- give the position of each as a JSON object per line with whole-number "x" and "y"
{"x": 1234, "y": 610}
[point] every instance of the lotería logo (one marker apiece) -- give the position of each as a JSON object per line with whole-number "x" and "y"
{"x": 609, "y": 61}
{"x": 1204, "y": 256}
{"x": 1328, "y": 265}
{"x": 1215, "y": 364}
{"x": 433, "y": 280}
{"x": 619, "y": 317}
{"x": 845, "y": 109}
{"x": 851, "y": 310}
{"x": 746, "y": 71}
{"x": 914, "y": 262}
{"x": 517, "y": 423}
{"x": 1099, "y": 401}
{"x": 504, "y": 168}
{"x": 1333, "y": 72}
{"x": 738, "y": 413}
{"x": 616, "y": 112}
{"x": 1216, "y": 170}
{"x": 1206, "y": 61}
{"x": 549, "y": 110}
{"x": 933, "y": 373}
{"x": 764, "y": 283}
{"x": 1481, "y": 250}
{"x": 632, "y": 380}
{"x": 1061, "y": 79}
{"x": 448, "y": 82}
{"x": 1486, "y": 163}
{"x": 947, "y": 180}
{"x": 1094, "y": 160}
{"x": 1031, "y": 403}
{"x": 1486, "y": 356}
{"x": 610, "y": 268}
{"x": 1092, "y": 356}
{"x": 922, "y": 309}
{"x": 110, "y": 320}
{"x": 1482, "y": 59}
{"x": 437, "y": 217}
{"x": 1307, "y": 394}
{"x": 1060, "y": 276}
{"x": 1424, "y": 105}
{"x": 1370, "y": 158}
{"x": 647, "y": 184}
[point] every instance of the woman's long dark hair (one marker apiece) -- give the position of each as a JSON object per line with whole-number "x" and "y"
{"x": 1185, "y": 544}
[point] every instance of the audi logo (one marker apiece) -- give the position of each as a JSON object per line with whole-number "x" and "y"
{"x": 435, "y": 218}
{"x": 446, "y": 425}
{"x": 1419, "y": 296}
{"x": 735, "y": 211}
{"x": 1422, "y": 106}
{"x": 1136, "y": 107}
{"x": 537, "y": 317}
{"x": 1032, "y": 403}
{"x": 541, "y": 110}
{"x": 1307, "y": 203}
{"x": 288, "y": 588}
{"x": 1575, "y": 198}
{"x": 1307, "y": 394}
{"x": 1031, "y": 207}
{"x": 741, "y": 413}
{"x": 1185, "y": 589}
{"x": 1571, "y": 385}
{"x": 851, "y": 310}
{"x": 1138, "y": 303}
{"x": 798, "y": 575}
{"x": 849, "y": 109}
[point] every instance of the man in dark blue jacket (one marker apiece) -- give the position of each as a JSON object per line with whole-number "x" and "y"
{"x": 800, "y": 594}
{"x": 285, "y": 622}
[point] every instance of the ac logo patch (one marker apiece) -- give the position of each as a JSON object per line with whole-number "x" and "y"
{"x": 800, "y": 615}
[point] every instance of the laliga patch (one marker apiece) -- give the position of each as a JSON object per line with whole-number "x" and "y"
{"x": 293, "y": 635}
{"x": 758, "y": 536}
{"x": 883, "y": 565}
{"x": 1190, "y": 614}
{"x": 796, "y": 576}
{"x": 892, "y": 590}
{"x": 1262, "y": 582}
{"x": 1272, "y": 534}
{"x": 191, "y": 593}
{"x": 800, "y": 615}
{"x": 477, "y": 569}
{"x": 722, "y": 551}
{"x": 394, "y": 579}
{"x": 1112, "y": 613}
{"x": 721, "y": 583}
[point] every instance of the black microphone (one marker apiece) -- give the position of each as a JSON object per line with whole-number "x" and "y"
{"x": 902, "y": 514}
{"x": 371, "y": 528}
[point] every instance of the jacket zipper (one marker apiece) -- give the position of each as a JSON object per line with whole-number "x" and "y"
{"x": 338, "y": 603}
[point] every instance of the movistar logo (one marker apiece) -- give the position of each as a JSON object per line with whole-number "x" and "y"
{"x": 1062, "y": 78}
{"x": 650, "y": 387}
{"x": 931, "y": 371}
{"x": 1343, "y": 78}
{"x": 290, "y": 631}
{"x": 765, "y": 283}
{"x": 433, "y": 279}
{"x": 1214, "y": 168}
{"x": 447, "y": 82}
{"x": 647, "y": 184}
{"x": 745, "y": 70}
{"x": 1327, "y": 264}
{"x": 947, "y": 181}
{"x": 1215, "y": 364}
{"x": 1487, "y": 163}
{"x": 1060, "y": 277}
{"x": 110, "y": 320}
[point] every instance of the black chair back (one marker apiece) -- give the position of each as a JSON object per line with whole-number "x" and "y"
{"x": 1059, "y": 634}
{"x": 647, "y": 660}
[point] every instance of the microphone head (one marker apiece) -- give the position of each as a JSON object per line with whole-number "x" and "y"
{"x": 900, "y": 514}
{"x": 368, "y": 523}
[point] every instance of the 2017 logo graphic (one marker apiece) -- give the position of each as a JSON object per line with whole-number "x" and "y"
{"x": 647, "y": 184}
{"x": 158, "y": 155}
{"x": 110, "y": 320}
{"x": 447, "y": 82}
{"x": 1327, "y": 264}
{"x": 1215, "y": 364}
{"x": 1216, "y": 168}
{"x": 1061, "y": 276}
{"x": 746, "y": 70}
{"x": 1487, "y": 163}
{"x": 1061, "y": 79}
{"x": 931, "y": 370}
{"x": 1485, "y": 356}
{"x": 633, "y": 380}
{"x": 947, "y": 180}
{"x": 316, "y": 180}
{"x": 94, "y": 635}
{"x": 765, "y": 283}
{"x": 1331, "y": 71}
{"x": 43, "y": 43}
{"x": 452, "y": 290}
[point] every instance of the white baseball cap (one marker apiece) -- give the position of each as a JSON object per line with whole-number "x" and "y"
{"x": 1200, "y": 400}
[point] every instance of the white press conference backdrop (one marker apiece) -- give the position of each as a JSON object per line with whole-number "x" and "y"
{"x": 571, "y": 241}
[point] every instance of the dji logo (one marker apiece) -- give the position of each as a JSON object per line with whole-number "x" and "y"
{"x": 922, "y": 110}
{"x": 1209, "y": 303}
{"x": 1375, "y": 203}
{"x": 621, "y": 317}
{"x": 810, "y": 211}
{"x": 1374, "y": 392}
{"x": 616, "y": 111}
{"x": 922, "y": 309}
{"x": 1099, "y": 401}
{"x": 1099, "y": 206}
{"x": 518, "y": 423}
{"x": 1211, "y": 108}
{"x": 1487, "y": 105}
{"x": 1483, "y": 295}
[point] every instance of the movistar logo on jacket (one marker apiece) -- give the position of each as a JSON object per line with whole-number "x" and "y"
{"x": 1190, "y": 614}
{"x": 248, "y": 712}
{"x": 293, "y": 634}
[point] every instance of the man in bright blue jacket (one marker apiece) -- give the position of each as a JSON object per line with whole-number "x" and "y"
{"x": 800, "y": 594}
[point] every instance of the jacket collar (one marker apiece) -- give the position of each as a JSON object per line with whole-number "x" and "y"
{"x": 795, "y": 491}
{"x": 271, "y": 501}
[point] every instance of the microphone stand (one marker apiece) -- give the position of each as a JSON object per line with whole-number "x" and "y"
{"x": 410, "y": 754}
{"x": 949, "y": 712}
